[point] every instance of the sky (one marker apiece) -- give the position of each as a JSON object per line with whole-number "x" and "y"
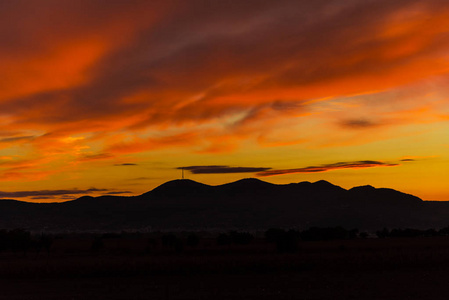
{"x": 117, "y": 97}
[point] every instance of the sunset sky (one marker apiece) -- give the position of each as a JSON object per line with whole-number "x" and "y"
{"x": 115, "y": 97}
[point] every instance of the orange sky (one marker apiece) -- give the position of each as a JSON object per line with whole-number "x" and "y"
{"x": 114, "y": 99}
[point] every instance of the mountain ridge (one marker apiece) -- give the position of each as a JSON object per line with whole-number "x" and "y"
{"x": 249, "y": 204}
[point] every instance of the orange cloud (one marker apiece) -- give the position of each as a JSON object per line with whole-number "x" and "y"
{"x": 141, "y": 144}
{"x": 328, "y": 167}
{"x": 63, "y": 67}
{"x": 328, "y": 57}
{"x": 221, "y": 169}
{"x": 131, "y": 77}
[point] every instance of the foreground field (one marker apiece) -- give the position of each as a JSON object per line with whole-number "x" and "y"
{"x": 403, "y": 268}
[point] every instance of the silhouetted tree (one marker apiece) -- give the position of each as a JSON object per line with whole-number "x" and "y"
{"x": 363, "y": 235}
{"x": 19, "y": 240}
{"x": 431, "y": 232}
{"x": 286, "y": 241}
{"x": 241, "y": 238}
{"x": 328, "y": 233}
{"x": 223, "y": 239}
{"x": 353, "y": 233}
{"x": 384, "y": 233}
{"x": 192, "y": 240}
{"x": 178, "y": 246}
{"x": 44, "y": 242}
{"x": 408, "y": 232}
{"x": 152, "y": 243}
{"x": 169, "y": 240}
{"x": 272, "y": 235}
{"x": 444, "y": 231}
{"x": 4, "y": 241}
{"x": 97, "y": 244}
{"x": 172, "y": 241}
{"x": 111, "y": 235}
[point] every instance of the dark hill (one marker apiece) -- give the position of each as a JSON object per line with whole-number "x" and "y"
{"x": 244, "y": 204}
{"x": 178, "y": 188}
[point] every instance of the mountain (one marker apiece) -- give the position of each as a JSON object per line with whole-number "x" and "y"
{"x": 248, "y": 204}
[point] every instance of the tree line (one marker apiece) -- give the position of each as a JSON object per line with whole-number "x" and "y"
{"x": 20, "y": 240}
{"x": 285, "y": 240}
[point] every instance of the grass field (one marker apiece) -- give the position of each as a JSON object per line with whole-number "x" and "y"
{"x": 393, "y": 268}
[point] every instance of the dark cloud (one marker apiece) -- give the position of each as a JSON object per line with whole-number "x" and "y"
{"x": 118, "y": 193}
{"x": 221, "y": 169}
{"x": 328, "y": 167}
{"x": 96, "y": 156}
{"x": 170, "y": 63}
{"x": 125, "y": 164}
{"x": 291, "y": 42}
{"x": 48, "y": 193}
{"x": 141, "y": 178}
{"x": 17, "y": 138}
{"x": 408, "y": 159}
{"x": 358, "y": 123}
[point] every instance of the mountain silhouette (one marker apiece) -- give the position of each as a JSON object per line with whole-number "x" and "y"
{"x": 249, "y": 204}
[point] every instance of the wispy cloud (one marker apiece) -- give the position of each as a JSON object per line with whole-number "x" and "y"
{"x": 16, "y": 138}
{"x": 359, "y": 123}
{"x": 133, "y": 81}
{"x": 99, "y": 156}
{"x": 414, "y": 158}
{"x": 118, "y": 193}
{"x": 141, "y": 179}
{"x": 143, "y": 74}
{"x": 328, "y": 167}
{"x": 217, "y": 169}
{"x": 408, "y": 159}
{"x": 48, "y": 193}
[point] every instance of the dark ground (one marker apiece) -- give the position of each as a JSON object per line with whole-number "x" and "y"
{"x": 401, "y": 268}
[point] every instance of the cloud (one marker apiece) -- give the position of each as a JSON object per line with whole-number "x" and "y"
{"x": 358, "y": 123}
{"x": 99, "y": 156}
{"x": 154, "y": 143}
{"x": 180, "y": 66}
{"x": 48, "y": 193}
{"x": 221, "y": 169}
{"x": 118, "y": 193}
{"x": 328, "y": 167}
{"x": 42, "y": 198}
{"x": 125, "y": 164}
{"x": 146, "y": 76}
{"x": 413, "y": 158}
{"x": 16, "y": 138}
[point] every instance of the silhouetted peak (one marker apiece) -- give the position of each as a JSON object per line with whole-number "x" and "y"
{"x": 178, "y": 187}
{"x": 248, "y": 183}
{"x": 390, "y": 196}
{"x": 251, "y": 179}
{"x": 83, "y": 199}
{"x": 396, "y": 193}
{"x": 180, "y": 183}
{"x": 302, "y": 184}
{"x": 363, "y": 188}
{"x": 323, "y": 184}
